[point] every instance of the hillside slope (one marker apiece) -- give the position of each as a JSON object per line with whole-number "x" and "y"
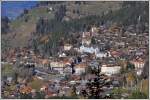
{"x": 25, "y": 24}
{"x": 80, "y": 14}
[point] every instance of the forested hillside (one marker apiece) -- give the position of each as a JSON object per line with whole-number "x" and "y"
{"x": 125, "y": 16}
{"x": 53, "y": 20}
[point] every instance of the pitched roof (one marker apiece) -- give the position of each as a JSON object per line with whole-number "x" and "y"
{"x": 81, "y": 65}
{"x": 26, "y": 89}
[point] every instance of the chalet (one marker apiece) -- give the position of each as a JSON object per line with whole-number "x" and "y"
{"x": 139, "y": 53}
{"x": 138, "y": 63}
{"x": 80, "y": 68}
{"x": 85, "y": 58}
{"x": 115, "y": 53}
{"x": 25, "y": 89}
{"x": 143, "y": 49}
{"x": 67, "y": 70}
{"x": 44, "y": 62}
{"x": 60, "y": 65}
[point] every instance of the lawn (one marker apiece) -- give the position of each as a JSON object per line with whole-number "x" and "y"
{"x": 36, "y": 84}
{"x": 7, "y": 70}
{"x": 33, "y": 16}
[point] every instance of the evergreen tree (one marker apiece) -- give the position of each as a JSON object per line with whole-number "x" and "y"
{"x": 73, "y": 92}
{"x": 5, "y": 25}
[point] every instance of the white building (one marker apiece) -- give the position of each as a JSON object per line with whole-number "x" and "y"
{"x": 110, "y": 69}
{"x": 67, "y": 47}
{"x": 80, "y": 68}
{"x": 58, "y": 66}
{"x": 138, "y": 63}
{"x": 102, "y": 54}
{"x": 96, "y": 51}
{"x": 88, "y": 49}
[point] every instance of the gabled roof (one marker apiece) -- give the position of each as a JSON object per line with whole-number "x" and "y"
{"x": 81, "y": 65}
